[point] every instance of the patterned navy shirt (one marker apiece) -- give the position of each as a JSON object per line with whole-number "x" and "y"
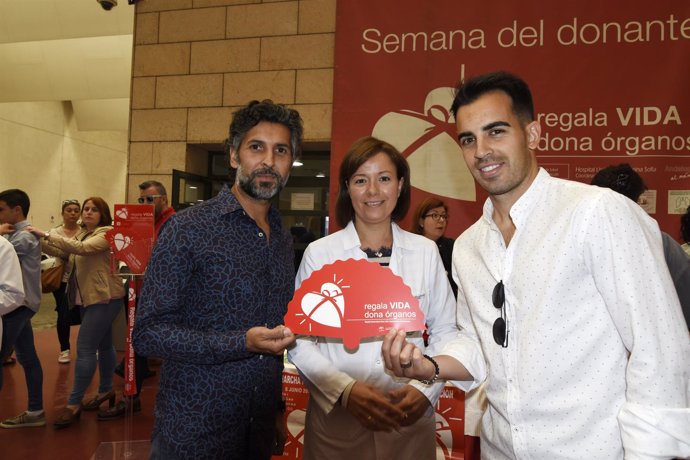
{"x": 213, "y": 275}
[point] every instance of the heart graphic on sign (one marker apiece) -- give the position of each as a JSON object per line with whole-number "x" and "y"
{"x": 326, "y": 307}
{"x": 122, "y": 213}
{"x": 295, "y": 424}
{"x": 427, "y": 139}
{"x": 121, "y": 241}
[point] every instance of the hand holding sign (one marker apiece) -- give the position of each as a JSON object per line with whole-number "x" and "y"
{"x": 353, "y": 299}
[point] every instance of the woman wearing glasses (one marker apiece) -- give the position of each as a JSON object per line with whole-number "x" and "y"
{"x": 430, "y": 219}
{"x": 99, "y": 294}
{"x": 68, "y": 229}
{"x": 356, "y": 409}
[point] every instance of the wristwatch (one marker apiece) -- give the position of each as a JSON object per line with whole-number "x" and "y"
{"x": 46, "y": 235}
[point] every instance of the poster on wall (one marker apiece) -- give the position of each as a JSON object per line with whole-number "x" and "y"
{"x": 609, "y": 84}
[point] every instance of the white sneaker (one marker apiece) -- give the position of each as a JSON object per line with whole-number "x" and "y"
{"x": 63, "y": 357}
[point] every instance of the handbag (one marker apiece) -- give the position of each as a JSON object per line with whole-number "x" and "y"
{"x": 74, "y": 311}
{"x": 51, "y": 275}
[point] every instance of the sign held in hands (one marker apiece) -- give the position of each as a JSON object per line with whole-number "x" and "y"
{"x": 351, "y": 300}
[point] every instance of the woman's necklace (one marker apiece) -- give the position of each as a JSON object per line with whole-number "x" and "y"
{"x": 383, "y": 251}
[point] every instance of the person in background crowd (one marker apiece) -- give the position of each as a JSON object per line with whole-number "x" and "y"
{"x": 430, "y": 219}
{"x": 68, "y": 229}
{"x": 356, "y": 409}
{"x": 150, "y": 192}
{"x": 153, "y": 192}
{"x": 565, "y": 305}
{"x": 14, "y": 209}
{"x": 626, "y": 181}
{"x": 685, "y": 231}
{"x": 11, "y": 285}
{"x": 99, "y": 293}
{"x": 213, "y": 301}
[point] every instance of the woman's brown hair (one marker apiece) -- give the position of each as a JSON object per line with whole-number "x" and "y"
{"x": 358, "y": 154}
{"x": 106, "y": 218}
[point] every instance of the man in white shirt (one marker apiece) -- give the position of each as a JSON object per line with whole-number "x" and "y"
{"x": 11, "y": 286}
{"x": 566, "y": 306}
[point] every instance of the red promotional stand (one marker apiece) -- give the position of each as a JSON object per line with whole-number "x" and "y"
{"x": 131, "y": 241}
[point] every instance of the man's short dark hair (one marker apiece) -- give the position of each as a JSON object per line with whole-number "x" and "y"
{"x": 254, "y": 113}
{"x": 621, "y": 178}
{"x": 514, "y": 87}
{"x": 15, "y": 197}
{"x": 160, "y": 188}
{"x": 358, "y": 154}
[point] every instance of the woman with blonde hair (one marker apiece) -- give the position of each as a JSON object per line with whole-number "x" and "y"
{"x": 99, "y": 294}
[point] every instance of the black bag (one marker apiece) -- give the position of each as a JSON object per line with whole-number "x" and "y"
{"x": 69, "y": 299}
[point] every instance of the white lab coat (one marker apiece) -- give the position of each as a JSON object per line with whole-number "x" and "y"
{"x": 328, "y": 367}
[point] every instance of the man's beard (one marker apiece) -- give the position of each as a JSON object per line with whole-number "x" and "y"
{"x": 258, "y": 189}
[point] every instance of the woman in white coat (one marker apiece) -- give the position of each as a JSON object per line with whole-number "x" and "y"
{"x": 357, "y": 409}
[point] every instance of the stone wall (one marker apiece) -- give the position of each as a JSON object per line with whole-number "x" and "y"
{"x": 196, "y": 61}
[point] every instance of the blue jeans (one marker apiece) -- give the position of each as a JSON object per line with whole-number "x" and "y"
{"x": 95, "y": 334}
{"x": 17, "y": 333}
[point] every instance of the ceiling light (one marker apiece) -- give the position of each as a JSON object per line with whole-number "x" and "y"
{"x": 297, "y": 163}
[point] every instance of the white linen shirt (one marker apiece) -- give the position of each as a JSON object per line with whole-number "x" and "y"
{"x": 327, "y": 365}
{"x": 11, "y": 285}
{"x": 598, "y": 355}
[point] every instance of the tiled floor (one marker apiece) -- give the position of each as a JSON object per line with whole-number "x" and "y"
{"x": 76, "y": 442}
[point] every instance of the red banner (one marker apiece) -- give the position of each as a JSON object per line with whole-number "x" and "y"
{"x": 609, "y": 82}
{"x": 130, "y": 369}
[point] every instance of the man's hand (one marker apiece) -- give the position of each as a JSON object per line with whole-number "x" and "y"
{"x": 373, "y": 409}
{"x": 412, "y": 402}
{"x": 269, "y": 341}
{"x": 405, "y": 359}
{"x": 6, "y": 229}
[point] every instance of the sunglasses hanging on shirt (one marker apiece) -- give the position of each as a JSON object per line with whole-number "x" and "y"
{"x": 500, "y": 330}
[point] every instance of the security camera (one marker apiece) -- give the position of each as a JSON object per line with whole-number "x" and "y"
{"x": 107, "y": 4}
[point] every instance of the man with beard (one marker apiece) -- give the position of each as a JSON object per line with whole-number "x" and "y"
{"x": 212, "y": 305}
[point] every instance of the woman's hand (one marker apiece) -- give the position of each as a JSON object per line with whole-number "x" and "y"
{"x": 373, "y": 409}
{"x": 405, "y": 359}
{"x": 412, "y": 402}
{"x": 35, "y": 231}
